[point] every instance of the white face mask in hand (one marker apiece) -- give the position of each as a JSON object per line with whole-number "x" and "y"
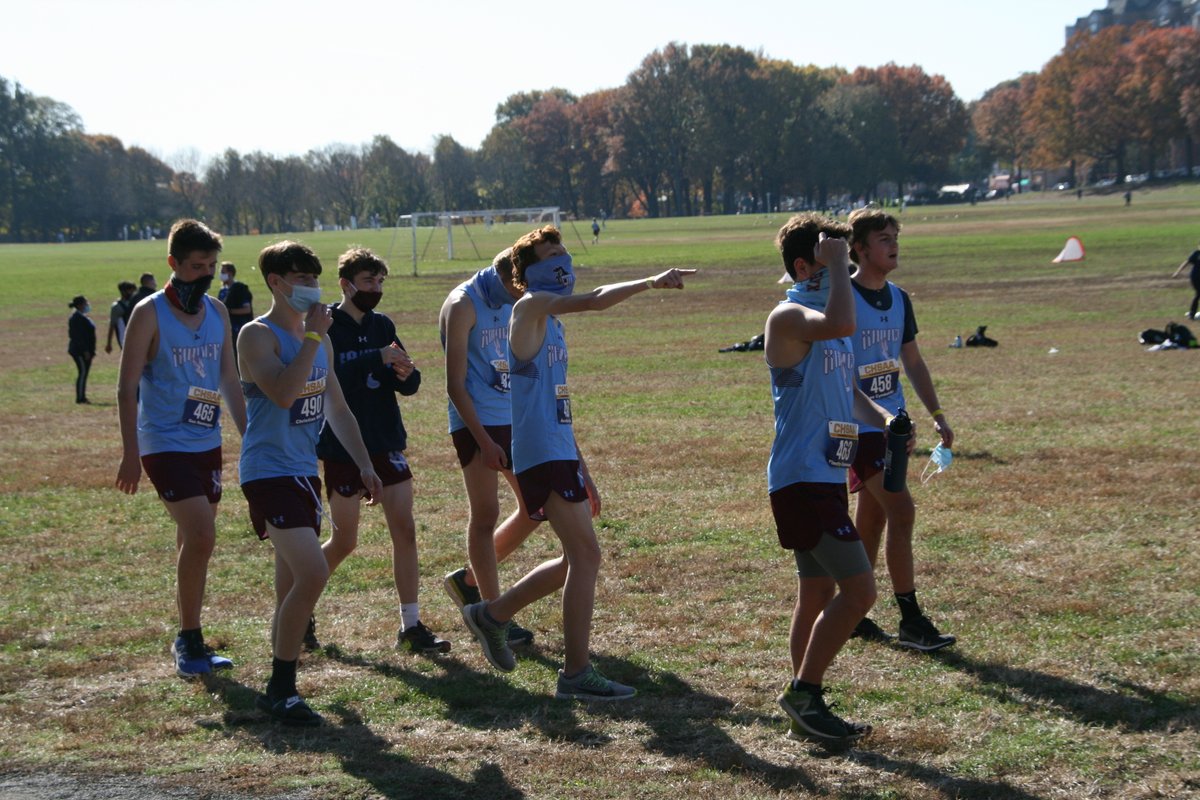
{"x": 939, "y": 461}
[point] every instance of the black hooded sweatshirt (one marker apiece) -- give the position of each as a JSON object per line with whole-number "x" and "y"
{"x": 368, "y": 384}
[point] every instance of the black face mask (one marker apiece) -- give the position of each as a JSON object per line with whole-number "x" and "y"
{"x": 188, "y": 295}
{"x": 365, "y": 301}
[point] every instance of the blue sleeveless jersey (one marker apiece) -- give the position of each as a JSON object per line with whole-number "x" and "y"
{"x": 179, "y": 399}
{"x": 487, "y": 355}
{"x": 541, "y": 404}
{"x": 877, "y": 343}
{"x": 282, "y": 442}
{"x": 815, "y": 433}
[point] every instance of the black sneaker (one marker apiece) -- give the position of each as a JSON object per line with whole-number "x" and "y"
{"x": 868, "y": 631}
{"x": 857, "y": 730}
{"x": 310, "y": 635}
{"x": 519, "y": 636}
{"x": 814, "y": 721}
{"x": 420, "y": 639}
{"x": 461, "y": 592}
{"x": 289, "y": 710}
{"x": 921, "y": 634}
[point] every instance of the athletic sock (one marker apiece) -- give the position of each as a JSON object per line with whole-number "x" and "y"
{"x": 800, "y": 686}
{"x": 409, "y": 615}
{"x": 909, "y": 610}
{"x": 193, "y": 636}
{"x": 283, "y": 680}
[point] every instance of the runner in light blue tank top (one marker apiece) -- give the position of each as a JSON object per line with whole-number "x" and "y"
{"x": 877, "y": 350}
{"x": 815, "y": 433}
{"x": 177, "y": 381}
{"x": 179, "y": 401}
{"x": 285, "y": 359}
{"x": 551, "y": 474}
{"x": 541, "y": 404}
{"x": 487, "y": 351}
{"x": 282, "y": 442}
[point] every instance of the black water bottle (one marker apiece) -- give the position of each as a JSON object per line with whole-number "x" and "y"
{"x": 895, "y": 457}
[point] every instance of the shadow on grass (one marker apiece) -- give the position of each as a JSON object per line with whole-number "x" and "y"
{"x": 939, "y": 783}
{"x": 362, "y": 752}
{"x": 1128, "y": 706}
{"x": 684, "y": 723}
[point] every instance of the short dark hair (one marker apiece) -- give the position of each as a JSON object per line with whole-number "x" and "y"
{"x": 360, "y": 259}
{"x": 227, "y": 266}
{"x": 146, "y": 276}
{"x": 191, "y": 236}
{"x": 799, "y": 235}
{"x": 126, "y": 286}
{"x": 523, "y": 253}
{"x": 288, "y": 256}
{"x": 865, "y": 220}
{"x": 79, "y": 301}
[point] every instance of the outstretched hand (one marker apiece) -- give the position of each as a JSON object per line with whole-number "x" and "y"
{"x": 671, "y": 279}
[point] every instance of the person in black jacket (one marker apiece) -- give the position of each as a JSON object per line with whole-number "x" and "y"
{"x": 372, "y": 366}
{"x": 81, "y": 344}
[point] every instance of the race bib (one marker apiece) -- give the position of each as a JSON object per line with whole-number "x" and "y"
{"x": 881, "y": 379}
{"x": 500, "y": 379}
{"x": 842, "y": 444}
{"x": 310, "y": 405}
{"x": 562, "y": 401}
{"x": 202, "y": 407}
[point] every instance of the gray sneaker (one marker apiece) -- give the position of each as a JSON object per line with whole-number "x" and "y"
{"x": 591, "y": 685}
{"x": 813, "y": 721}
{"x": 493, "y": 639}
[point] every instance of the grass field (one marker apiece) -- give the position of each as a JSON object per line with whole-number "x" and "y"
{"x": 1057, "y": 548}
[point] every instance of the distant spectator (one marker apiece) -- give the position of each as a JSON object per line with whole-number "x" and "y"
{"x": 237, "y": 299}
{"x": 148, "y": 287}
{"x": 81, "y": 345}
{"x": 1194, "y": 261}
{"x": 118, "y": 315}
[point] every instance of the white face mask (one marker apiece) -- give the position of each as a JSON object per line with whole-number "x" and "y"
{"x": 303, "y": 298}
{"x": 939, "y": 461}
{"x": 226, "y": 277}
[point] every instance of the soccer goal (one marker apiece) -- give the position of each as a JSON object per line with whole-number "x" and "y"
{"x": 475, "y": 235}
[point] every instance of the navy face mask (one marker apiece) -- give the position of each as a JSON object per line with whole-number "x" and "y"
{"x": 188, "y": 295}
{"x": 551, "y": 275}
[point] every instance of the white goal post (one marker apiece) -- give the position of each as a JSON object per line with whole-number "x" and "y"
{"x": 435, "y": 220}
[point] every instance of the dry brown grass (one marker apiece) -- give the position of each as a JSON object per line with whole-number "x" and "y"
{"x": 1057, "y": 548}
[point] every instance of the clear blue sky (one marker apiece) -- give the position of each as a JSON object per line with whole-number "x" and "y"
{"x": 193, "y": 78}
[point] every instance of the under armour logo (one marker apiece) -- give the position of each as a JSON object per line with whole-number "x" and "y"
{"x": 277, "y": 521}
{"x": 362, "y": 340}
{"x": 883, "y": 317}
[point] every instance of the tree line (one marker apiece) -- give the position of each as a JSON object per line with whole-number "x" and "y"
{"x": 705, "y": 129}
